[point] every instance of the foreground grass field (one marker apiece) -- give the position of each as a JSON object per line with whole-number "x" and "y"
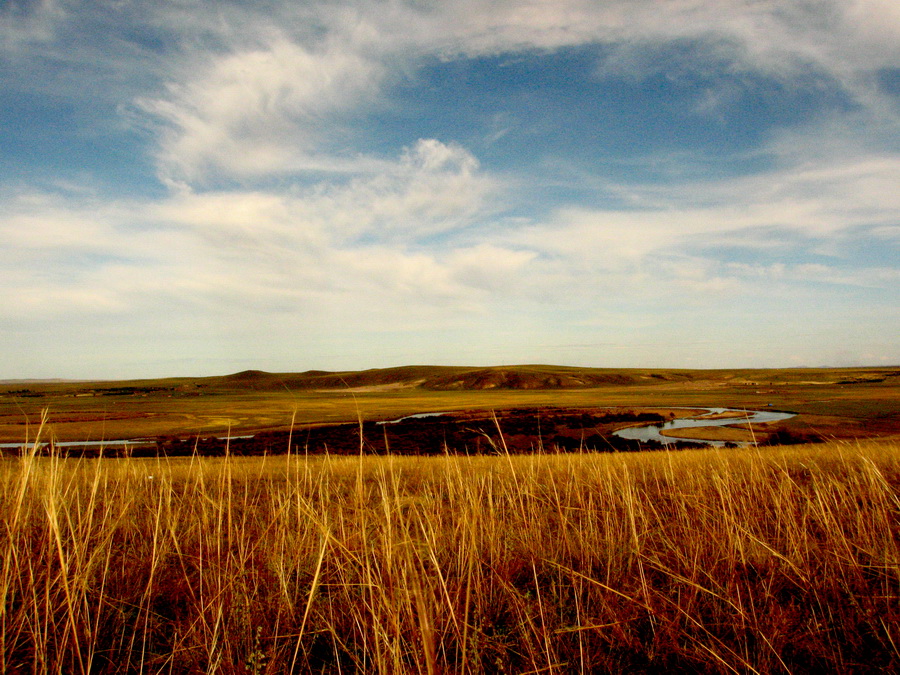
{"x": 775, "y": 560}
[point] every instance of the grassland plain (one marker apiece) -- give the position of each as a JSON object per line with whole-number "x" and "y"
{"x": 745, "y": 561}
{"x": 834, "y": 403}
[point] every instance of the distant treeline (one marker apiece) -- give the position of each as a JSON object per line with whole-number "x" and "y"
{"x": 106, "y": 391}
{"x": 129, "y": 391}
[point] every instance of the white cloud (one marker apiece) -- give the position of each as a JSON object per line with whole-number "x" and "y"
{"x": 781, "y": 274}
{"x": 434, "y": 188}
{"x": 33, "y": 220}
{"x": 278, "y": 96}
{"x": 490, "y": 267}
{"x": 779, "y": 37}
{"x": 260, "y": 111}
{"x": 676, "y": 237}
{"x": 263, "y": 251}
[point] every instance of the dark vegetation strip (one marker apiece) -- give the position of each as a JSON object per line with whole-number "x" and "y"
{"x": 520, "y": 431}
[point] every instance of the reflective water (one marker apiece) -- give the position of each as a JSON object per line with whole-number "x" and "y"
{"x": 417, "y": 416}
{"x": 653, "y": 432}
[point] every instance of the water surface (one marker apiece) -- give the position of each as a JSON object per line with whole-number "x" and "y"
{"x": 654, "y": 432}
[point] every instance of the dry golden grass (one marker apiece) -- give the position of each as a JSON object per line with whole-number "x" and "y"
{"x": 775, "y": 560}
{"x": 733, "y": 434}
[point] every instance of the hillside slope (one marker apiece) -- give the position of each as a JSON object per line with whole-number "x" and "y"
{"x": 530, "y": 377}
{"x": 447, "y": 378}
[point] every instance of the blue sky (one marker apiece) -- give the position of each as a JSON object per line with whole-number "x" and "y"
{"x": 198, "y": 188}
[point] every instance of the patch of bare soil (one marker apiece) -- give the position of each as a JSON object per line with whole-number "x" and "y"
{"x": 392, "y": 386}
{"x": 731, "y": 414}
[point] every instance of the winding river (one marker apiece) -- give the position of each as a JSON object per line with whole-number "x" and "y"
{"x": 710, "y": 418}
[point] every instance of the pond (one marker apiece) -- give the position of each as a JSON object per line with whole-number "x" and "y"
{"x": 709, "y": 418}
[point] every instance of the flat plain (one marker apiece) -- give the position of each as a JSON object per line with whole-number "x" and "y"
{"x": 832, "y": 403}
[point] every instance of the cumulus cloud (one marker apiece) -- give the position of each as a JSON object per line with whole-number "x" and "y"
{"x": 261, "y": 250}
{"x": 434, "y": 188}
{"x": 431, "y": 188}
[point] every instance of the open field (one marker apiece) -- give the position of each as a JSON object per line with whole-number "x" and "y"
{"x": 834, "y": 403}
{"x": 739, "y": 561}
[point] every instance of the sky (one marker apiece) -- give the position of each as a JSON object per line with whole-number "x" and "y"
{"x": 197, "y": 188}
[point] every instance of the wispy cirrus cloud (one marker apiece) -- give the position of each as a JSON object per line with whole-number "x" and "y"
{"x": 262, "y": 111}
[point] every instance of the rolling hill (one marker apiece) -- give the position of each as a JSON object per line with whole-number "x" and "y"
{"x": 530, "y": 377}
{"x": 446, "y": 378}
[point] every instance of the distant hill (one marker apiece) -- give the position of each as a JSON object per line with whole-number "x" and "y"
{"x": 459, "y": 378}
{"x": 405, "y": 376}
{"x": 530, "y": 377}
{"x": 447, "y": 378}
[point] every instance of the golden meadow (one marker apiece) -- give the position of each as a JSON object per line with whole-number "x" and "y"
{"x": 754, "y": 560}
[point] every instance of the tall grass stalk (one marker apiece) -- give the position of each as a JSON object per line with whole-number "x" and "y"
{"x": 738, "y": 561}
